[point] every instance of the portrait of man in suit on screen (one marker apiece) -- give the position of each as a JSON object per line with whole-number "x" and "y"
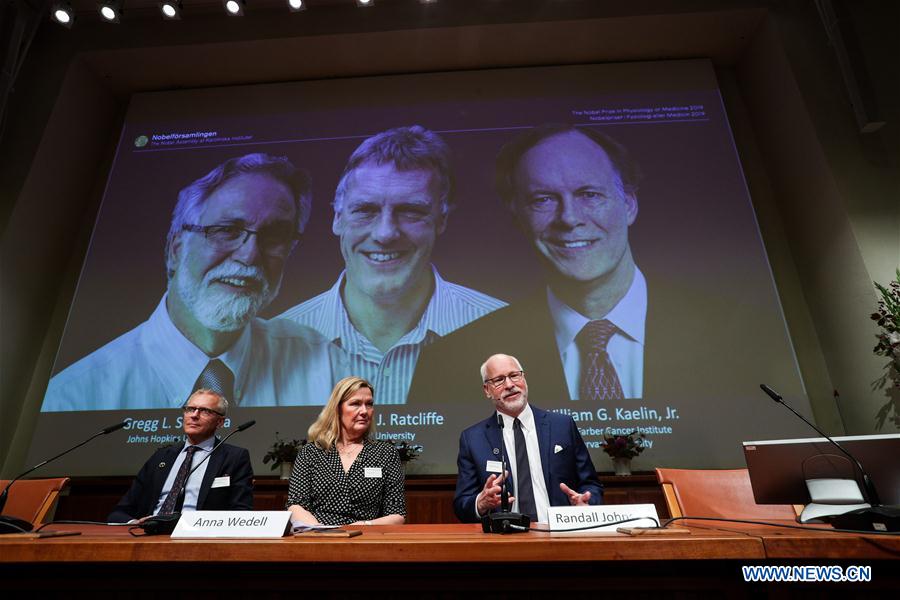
{"x": 230, "y": 234}
{"x": 573, "y": 193}
{"x": 190, "y": 476}
{"x": 390, "y": 207}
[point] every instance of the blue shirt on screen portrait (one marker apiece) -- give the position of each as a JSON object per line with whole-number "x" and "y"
{"x": 275, "y": 363}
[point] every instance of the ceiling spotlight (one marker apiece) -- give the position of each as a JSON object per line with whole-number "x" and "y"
{"x": 234, "y": 8}
{"x": 365, "y": 2}
{"x": 170, "y": 9}
{"x": 62, "y": 13}
{"x": 110, "y": 10}
{"x": 296, "y": 5}
{"x": 427, "y": 1}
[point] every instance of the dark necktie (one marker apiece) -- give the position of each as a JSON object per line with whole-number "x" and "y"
{"x": 599, "y": 380}
{"x": 524, "y": 491}
{"x": 168, "y": 506}
{"x": 216, "y": 376}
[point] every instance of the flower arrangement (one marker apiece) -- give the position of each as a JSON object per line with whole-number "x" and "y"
{"x": 407, "y": 451}
{"x": 283, "y": 452}
{"x": 888, "y": 319}
{"x": 624, "y": 446}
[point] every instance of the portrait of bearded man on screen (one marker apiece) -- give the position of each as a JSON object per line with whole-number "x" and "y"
{"x": 230, "y": 234}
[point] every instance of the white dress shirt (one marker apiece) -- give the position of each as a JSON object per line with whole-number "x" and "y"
{"x": 192, "y": 486}
{"x": 538, "y": 485}
{"x": 275, "y": 363}
{"x": 625, "y": 348}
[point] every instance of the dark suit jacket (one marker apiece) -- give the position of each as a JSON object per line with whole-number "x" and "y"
{"x": 228, "y": 460}
{"x": 572, "y": 465}
{"x": 446, "y": 370}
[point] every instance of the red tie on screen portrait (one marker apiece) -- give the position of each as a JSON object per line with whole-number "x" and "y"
{"x": 599, "y": 380}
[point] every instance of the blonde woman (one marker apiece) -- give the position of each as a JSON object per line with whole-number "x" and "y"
{"x": 344, "y": 476}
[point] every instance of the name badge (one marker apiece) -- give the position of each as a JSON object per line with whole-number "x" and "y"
{"x": 373, "y": 472}
{"x": 223, "y": 481}
{"x": 494, "y": 466}
{"x": 233, "y": 524}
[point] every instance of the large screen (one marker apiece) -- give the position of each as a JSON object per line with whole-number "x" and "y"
{"x": 445, "y": 217}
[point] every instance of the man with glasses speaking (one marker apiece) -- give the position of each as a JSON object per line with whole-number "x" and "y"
{"x": 548, "y": 463}
{"x": 230, "y": 235}
{"x": 191, "y": 476}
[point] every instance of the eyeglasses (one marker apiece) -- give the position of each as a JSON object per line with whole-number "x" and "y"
{"x": 513, "y": 376}
{"x": 585, "y": 199}
{"x": 276, "y": 240}
{"x": 202, "y": 411}
{"x": 410, "y": 214}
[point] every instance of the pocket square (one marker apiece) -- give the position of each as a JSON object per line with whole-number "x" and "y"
{"x": 557, "y": 449}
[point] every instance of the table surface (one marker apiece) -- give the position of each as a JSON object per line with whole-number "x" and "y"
{"x": 455, "y": 543}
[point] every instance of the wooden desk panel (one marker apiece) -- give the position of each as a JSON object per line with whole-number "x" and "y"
{"x": 444, "y": 558}
{"x": 461, "y": 543}
{"x": 429, "y": 498}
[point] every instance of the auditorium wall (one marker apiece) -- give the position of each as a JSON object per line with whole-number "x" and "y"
{"x": 825, "y": 196}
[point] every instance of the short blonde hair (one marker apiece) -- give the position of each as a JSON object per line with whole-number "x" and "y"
{"x": 326, "y": 431}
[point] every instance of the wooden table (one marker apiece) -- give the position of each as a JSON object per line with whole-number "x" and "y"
{"x": 453, "y": 558}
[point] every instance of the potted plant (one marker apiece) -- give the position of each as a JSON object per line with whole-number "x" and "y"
{"x": 888, "y": 319}
{"x": 408, "y": 452}
{"x": 282, "y": 455}
{"x": 622, "y": 448}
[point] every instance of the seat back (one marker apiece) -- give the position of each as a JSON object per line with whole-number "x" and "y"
{"x": 33, "y": 499}
{"x": 716, "y": 493}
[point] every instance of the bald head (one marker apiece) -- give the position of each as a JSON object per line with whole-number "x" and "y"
{"x": 504, "y": 383}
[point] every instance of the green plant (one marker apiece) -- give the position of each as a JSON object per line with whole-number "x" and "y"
{"x": 407, "y": 451}
{"x": 888, "y": 319}
{"x": 283, "y": 451}
{"x": 624, "y": 446}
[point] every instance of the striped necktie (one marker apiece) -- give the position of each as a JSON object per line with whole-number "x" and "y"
{"x": 599, "y": 380}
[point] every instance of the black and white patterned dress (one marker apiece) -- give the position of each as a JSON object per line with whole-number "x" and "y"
{"x": 320, "y": 485}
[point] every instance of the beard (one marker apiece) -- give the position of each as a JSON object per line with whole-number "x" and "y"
{"x": 221, "y": 309}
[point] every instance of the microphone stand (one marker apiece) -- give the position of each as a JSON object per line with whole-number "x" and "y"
{"x": 874, "y": 518}
{"x": 9, "y": 524}
{"x": 504, "y": 521}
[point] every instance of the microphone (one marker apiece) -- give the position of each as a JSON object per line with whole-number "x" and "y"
{"x": 504, "y": 521}
{"x": 165, "y": 524}
{"x": 876, "y": 518}
{"x": 15, "y": 525}
{"x": 504, "y": 491}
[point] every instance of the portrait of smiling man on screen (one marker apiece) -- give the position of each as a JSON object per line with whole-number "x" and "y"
{"x": 390, "y": 207}
{"x": 573, "y": 193}
{"x": 230, "y": 234}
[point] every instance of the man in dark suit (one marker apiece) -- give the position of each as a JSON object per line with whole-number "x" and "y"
{"x": 223, "y": 481}
{"x": 549, "y": 463}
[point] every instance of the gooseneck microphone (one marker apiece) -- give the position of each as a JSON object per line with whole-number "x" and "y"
{"x": 876, "y": 518}
{"x": 504, "y": 490}
{"x": 15, "y": 525}
{"x": 504, "y": 521}
{"x": 165, "y": 524}
{"x": 871, "y": 494}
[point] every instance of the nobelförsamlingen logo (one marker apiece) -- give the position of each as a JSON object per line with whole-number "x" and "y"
{"x": 141, "y": 141}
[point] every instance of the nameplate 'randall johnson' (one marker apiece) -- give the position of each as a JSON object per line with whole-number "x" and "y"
{"x": 239, "y": 524}
{"x": 601, "y": 518}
